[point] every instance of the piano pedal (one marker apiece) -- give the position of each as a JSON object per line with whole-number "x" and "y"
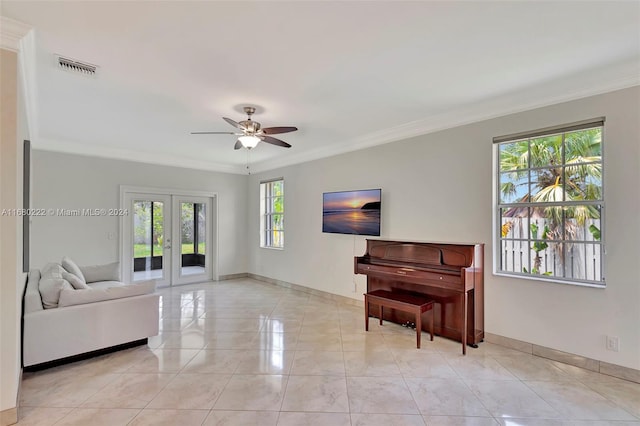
{"x": 409, "y": 324}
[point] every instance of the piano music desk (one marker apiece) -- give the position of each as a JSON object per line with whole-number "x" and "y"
{"x": 414, "y": 304}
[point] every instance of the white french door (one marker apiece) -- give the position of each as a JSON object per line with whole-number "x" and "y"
{"x": 167, "y": 237}
{"x": 147, "y": 238}
{"x": 191, "y": 253}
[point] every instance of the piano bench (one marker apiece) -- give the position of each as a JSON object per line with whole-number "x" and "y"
{"x": 405, "y": 302}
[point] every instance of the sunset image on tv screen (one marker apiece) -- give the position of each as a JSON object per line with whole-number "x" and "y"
{"x": 352, "y": 212}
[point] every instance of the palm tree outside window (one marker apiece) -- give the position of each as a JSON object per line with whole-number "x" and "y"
{"x": 550, "y": 204}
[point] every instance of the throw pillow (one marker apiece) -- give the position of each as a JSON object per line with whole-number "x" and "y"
{"x": 74, "y": 281}
{"x": 108, "y": 272}
{"x": 51, "y": 284}
{"x": 71, "y": 267}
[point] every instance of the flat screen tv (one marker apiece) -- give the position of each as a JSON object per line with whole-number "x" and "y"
{"x": 352, "y": 212}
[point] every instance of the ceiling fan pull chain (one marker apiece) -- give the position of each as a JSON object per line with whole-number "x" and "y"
{"x": 248, "y": 170}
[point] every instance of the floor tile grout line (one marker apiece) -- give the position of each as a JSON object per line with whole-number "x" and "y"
{"x": 466, "y": 384}
{"x": 575, "y": 381}
{"x": 612, "y": 401}
{"x": 406, "y": 384}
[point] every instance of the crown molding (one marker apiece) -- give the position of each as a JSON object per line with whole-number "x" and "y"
{"x": 11, "y": 32}
{"x": 493, "y": 108}
{"x": 76, "y": 148}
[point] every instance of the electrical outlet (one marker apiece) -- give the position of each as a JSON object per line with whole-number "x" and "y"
{"x": 613, "y": 343}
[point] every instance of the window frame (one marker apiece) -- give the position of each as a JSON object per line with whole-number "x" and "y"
{"x": 499, "y": 205}
{"x": 268, "y": 237}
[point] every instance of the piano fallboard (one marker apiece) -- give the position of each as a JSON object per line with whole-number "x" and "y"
{"x": 436, "y": 278}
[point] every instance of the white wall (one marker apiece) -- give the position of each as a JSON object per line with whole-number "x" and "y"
{"x": 11, "y": 277}
{"x": 74, "y": 182}
{"x": 438, "y": 187}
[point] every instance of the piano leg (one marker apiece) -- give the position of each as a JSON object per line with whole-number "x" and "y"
{"x": 380, "y": 313}
{"x": 418, "y": 328}
{"x": 464, "y": 297}
{"x": 366, "y": 315}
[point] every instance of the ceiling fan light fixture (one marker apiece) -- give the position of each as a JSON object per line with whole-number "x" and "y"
{"x": 251, "y": 132}
{"x": 249, "y": 141}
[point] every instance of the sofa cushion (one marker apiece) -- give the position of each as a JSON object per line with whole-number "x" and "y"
{"x": 107, "y": 272}
{"x": 76, "y": 282}
{"x": 71, "y": 267}
{"x": 103, "y": 285}
{"x": 51, "y": 284}
{"x": 69, "y": 297}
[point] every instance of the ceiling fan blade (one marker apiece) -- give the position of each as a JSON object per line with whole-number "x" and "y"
{"x": 238, "y": 144}
{"x": 234, "y": 123}
{"x": 274, "y": 141}
{"x": 276, "y": 130}
{"x": 212, "y": 133}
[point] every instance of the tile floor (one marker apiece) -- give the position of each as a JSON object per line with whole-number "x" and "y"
{"x": 243, "y": 352}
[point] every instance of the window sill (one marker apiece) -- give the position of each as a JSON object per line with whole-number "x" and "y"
{"x": 272, "y": 248}
{"x": 550, "y": 280}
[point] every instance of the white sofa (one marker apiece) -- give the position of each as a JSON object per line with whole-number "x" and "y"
{"x": 102, "y": 314}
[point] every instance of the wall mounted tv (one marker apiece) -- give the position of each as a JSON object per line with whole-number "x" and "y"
{"x": 352, "y": 212}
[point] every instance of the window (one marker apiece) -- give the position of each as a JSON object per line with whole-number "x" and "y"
{"x": 272, "y": 213}
{"x": 549, "y": 204}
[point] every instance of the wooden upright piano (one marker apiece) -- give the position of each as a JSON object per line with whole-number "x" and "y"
{"x": 450, "y": 274}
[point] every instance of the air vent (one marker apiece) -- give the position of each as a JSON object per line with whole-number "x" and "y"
{"x": 77, "y": 67}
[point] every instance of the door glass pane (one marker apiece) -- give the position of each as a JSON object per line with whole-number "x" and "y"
{"x": 192, "y": 238}
{"x": 148, "y": 236}
{"x": 201, "y": 218}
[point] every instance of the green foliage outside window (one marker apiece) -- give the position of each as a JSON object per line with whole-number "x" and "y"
{"x": 550, "y": 205}
{"x": 272, "y": 210}
{"x": 145, "y": 236}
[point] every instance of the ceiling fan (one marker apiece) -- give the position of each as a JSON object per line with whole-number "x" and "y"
{"x": 252, "y": 133}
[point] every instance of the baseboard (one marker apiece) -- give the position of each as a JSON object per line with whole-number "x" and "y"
{"x": 9, "y": 416}
{"x": 601, "y": 367}
{"x": 232, "y": 276}
{"x": 325, "y": 295}
{"x": 567, "y": 358}
{"x": 19, "y": 397}
{"x": 625, "y": 373}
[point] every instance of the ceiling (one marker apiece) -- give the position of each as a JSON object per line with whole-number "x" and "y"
{"x": 349, "y": 75}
